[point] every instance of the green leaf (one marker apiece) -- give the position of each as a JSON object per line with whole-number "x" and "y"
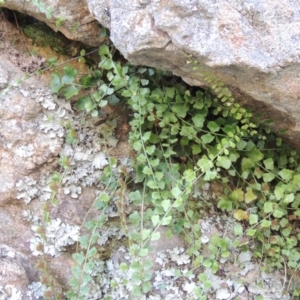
{"x": 251, "y": 232}
{"x": 166, "y": 204}
{"x": 233, "y": 156}
{"x": 286, "y": 174}
{"x": 229, "y": 130}
{"x": 145, "y": 233}
{"x": 269, "y": 163}
{"x": 159, "y": 176}
{"x": 106, "y": 64}
{"x": 166, "y": 220}
{"x": 170, "y": 92}
{"x": 296, "y": 203}
{"x": 253, "y": 219}
{"x": 155, "y": 236}
{"x": 214, "y": 267}
{"x": 154, "y": 162}
{"x": 104, "y": 50}
{"x": 247, "y": 163}
{"x": 224, "y": 162}
{"x": 189, "y": 175}
{"x": 241, "y": 145}
{"x": 71, "y": 137}
{"x": 210, "y": 175}
{"x": 249, "y": 196}
{"x": 94, "y": 113}
{"x": 176, "y": 191}
{"x": 238, "y": 229}
{"x": 268, "y": 207}
{"x": 79, "y": 258}
{"x": 296, "y": 180}
{"x": 188, "y": 131}
{"x": 144, "y": 82}
{"x": 146, "y": 136}
{"x": 123, "y": 267}
{"x": 177, "y": 202}
{"x": 55, "y": 83}
{"x": 255, "y": 155}
{"x": 240, "y": 215}
{"x": 238, "y": 195}
{"x": 147, "y": 170}
{"x": 169, "y": 117}
{"x": 180, "y": 110}
{"x": 265, "y": 223}
{"x": 70, "y": 91}
{"x": 137, "y": 145}
{"x": 286, "y": 232}
{"x": 143, "y": 252}
{"x": 196, "y": 149}
{"x": 198, "y": 120}
{"x": 76, "y": 271}
{"x": 142, "y": 158}
{"x": 110, "y": 76}
{"x": 279, "y": 213}
{"x": 148, "y": 264}
{"x": 207, "y": 138}
{"x": 90, "y": 225}
{"x": 157, "y": 95}
{"x": 155, "y": 220}
{"x": 207, "y": 263}
{"x": 85, "y": 103}
{"x": 289, "y": 198}
{"x": 135, "y": 217}
{"x": 84, "y": 241}
{"x": 91, "y": 252}
{"x": 225, "y": 204}
{"x": 146, "y": 286}
{"x": 204, "y": 163}
{"x": 152, "y": 184}
{"x": 104, "y": 197}
{"x": 225, "y": 254}
{"x": 268, "y": 177}
{"x": 213, "y": 126}
{"x": 279, "y": 191}
{"x": 283, "y": 222}
{"x": 69, "y": 74}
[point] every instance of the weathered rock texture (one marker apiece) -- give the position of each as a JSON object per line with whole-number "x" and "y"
{"x": 253, "y": 46}
{"x": 78, "y": 23}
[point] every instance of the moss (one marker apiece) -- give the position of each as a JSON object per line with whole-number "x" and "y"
{"x": 44, "y": 36}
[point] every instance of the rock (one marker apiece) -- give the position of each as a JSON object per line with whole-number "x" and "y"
{"x": 24, "y": 146}
{"x": 16, "y": 273}
{"x": 3, "y": 77}
{"x": 77, "y": 22}
{"x": 253, "y": 46}
{"x": 33, "y": 127}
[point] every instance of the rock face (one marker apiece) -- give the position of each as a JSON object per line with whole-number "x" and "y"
{"x": 253, "y": 46}
{"x": 34, "y": 125}
{"x": 77, "y": 23}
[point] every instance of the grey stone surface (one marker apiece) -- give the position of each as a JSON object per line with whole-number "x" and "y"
{"x": 3, "y": 77}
